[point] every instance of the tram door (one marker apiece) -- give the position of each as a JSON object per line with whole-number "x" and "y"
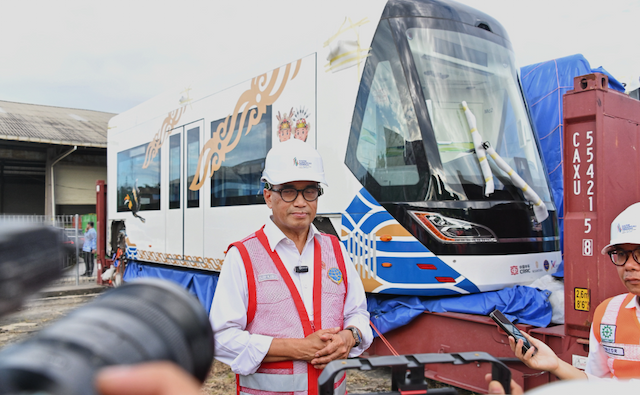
{"x": 185, "y": 219}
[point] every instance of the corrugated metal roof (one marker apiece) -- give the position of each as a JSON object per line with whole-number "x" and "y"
{"x": 53, "y": 125}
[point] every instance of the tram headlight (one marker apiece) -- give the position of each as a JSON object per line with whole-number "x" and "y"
{"x": 452, "y": 230}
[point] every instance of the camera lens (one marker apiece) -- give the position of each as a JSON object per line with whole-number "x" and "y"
{"x": 146, "y": 320}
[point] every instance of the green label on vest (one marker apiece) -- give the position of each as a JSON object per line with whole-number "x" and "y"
{"x": 608, "y": 333}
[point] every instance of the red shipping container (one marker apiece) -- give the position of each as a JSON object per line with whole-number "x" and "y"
{"x": 601, "y": 157}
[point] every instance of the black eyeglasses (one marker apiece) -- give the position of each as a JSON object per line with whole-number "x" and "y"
{"x": 289, "y": 194}
{"x": 619, "y": 256}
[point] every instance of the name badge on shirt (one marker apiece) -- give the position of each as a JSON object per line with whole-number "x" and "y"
{"x": 335, "y": 275}
{"x": 619, "y": 351}
{"x": 267, "y": 277}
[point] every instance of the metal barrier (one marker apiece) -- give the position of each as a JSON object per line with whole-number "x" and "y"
{"x": 59, "y": 221}
{"x": 69, "y": 223}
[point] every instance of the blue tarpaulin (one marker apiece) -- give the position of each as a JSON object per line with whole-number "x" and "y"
{"x": 543, "y": 85}
{"x": 520, "y": 304}
{"x": 200, "y": 284}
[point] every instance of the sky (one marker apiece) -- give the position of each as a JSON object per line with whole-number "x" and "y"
{"x": 112, "y": 56}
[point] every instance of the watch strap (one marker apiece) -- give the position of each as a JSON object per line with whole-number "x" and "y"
{"x": 356, "y": 335}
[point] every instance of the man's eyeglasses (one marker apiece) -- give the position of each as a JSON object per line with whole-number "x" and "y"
{"x": 289, "y": 194}
{"x": 619, "y": 256}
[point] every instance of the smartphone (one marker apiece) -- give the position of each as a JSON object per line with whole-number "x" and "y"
{"x": 510, "y": 329}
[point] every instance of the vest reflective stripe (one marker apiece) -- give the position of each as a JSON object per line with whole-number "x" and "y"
{"x": 298, "y": 383}
{"x": 251, "y": 284}
{"x": 617, "y": 330}
{"x": 611, "y": 312}
{"x": 275, "y": 382}
{"x": 623, "y": 352}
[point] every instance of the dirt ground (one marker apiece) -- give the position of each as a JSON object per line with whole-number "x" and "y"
{"x": 39, "y": 313}
{"x": 36, "y": 314}
{"x": 221, "y": 381}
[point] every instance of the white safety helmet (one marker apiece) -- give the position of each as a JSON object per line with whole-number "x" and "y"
{"x": 293, "y": 160}
{"x": 625, "y": 229}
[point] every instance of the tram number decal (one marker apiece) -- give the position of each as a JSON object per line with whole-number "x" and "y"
{"x": 587, "y": 247}
{"x": 582, "y": 299}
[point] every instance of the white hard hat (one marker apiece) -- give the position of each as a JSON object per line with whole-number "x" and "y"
{"x": 293, "y": 160}
{"x": 625, "y": 229}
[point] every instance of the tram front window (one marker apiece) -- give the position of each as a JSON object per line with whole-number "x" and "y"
{"x": 400, "y": 157}
{"x": 454, "y": 67}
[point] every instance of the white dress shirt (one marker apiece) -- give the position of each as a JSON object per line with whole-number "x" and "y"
{"x": 243, "y": 351}
{"x": 597, "y": 366}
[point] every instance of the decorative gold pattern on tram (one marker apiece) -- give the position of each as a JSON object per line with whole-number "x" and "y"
{"x": 168, "y": 125}
{"x": 178, "y": 260}
{"x": 393, "y": 230}
{"x": 252, "y": 103}
{"x": 370, "y": 284}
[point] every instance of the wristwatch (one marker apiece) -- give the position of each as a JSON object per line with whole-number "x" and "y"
{"x": 356, "y": 335}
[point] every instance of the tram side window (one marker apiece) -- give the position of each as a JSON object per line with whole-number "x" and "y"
{"x": 193, "y": 153}
{"x": 174, "y": 171}
{"x": 138, "y": 188}
{"x": 237, "y": 182}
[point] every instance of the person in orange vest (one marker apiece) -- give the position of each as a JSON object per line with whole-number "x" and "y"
{"x": 289, "y": 300}
{"x": 614, "y": 341}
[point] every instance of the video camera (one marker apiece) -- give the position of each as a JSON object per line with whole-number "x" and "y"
{"x": 147, "y": 320}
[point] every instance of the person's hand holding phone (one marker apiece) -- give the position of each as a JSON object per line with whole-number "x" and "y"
{"x": 509, "y": 328}
{"x": 535, "y": 353}
{"x": 539, "y": 357}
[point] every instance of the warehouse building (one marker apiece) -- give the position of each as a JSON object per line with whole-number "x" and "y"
{"x": 50, "y": 159}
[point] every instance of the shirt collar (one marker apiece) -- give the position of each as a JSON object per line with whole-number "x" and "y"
{"x": 275, "y": 235}
{"x": 633, "y": 303}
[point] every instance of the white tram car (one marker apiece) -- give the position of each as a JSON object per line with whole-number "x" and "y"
{"x": 381, "y": 100}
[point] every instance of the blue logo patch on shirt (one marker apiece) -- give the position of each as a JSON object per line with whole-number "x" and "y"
{"x": 335, "y": 275}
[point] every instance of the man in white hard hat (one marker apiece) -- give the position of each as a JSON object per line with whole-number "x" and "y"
{"x": 289, "y": 300}
{"x": 614, "y": 341}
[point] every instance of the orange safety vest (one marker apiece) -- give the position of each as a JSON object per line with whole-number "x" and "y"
{"x": 618, "y": 332}
{"x": 276, "y": 309}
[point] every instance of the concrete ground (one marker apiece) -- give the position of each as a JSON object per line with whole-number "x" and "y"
{"x": 72, "y": 282}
